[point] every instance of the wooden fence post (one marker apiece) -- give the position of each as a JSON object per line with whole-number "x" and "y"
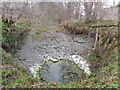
{"x": 99, "y": 36}
{"x": 96, "y": 38}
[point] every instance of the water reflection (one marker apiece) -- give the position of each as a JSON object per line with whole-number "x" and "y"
{"x": 61, "y": 71}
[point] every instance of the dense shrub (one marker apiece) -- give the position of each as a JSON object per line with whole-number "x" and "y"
{"x": 11, "y": 34}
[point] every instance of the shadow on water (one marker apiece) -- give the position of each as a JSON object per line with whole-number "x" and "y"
{"x": 60, "y": 71}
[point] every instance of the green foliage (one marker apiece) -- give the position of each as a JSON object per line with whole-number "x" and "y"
{"x": 11, "y": 35}
{"x": 9, "y": 72}
{"x": 4, "y": 81}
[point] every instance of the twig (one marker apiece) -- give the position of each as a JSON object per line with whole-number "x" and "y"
{"x": 104, "y": 26}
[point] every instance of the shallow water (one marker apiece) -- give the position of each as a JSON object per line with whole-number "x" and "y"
{"x": 61, "y": 71}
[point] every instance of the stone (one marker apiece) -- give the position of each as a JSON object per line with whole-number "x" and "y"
{"x": 79, "y": 40}
{"x": 81, "y": 62}
{"x": 53, "y": 59}
{"x": 33, "y": 69}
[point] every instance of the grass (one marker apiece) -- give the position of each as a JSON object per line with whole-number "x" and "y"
{"x": 21, "y": 26}
{"x": 84, "y": 36}
{"x": 42, "y": 29}
{"x": 108, "y": 22}
{"x": 38, "y": 36}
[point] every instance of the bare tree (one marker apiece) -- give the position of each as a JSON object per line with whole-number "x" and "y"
{"x": 88, "y": 11}
{"x": 12, "y": 11}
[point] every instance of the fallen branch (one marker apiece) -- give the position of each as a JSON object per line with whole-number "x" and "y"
{"x": 105, "y": 26}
